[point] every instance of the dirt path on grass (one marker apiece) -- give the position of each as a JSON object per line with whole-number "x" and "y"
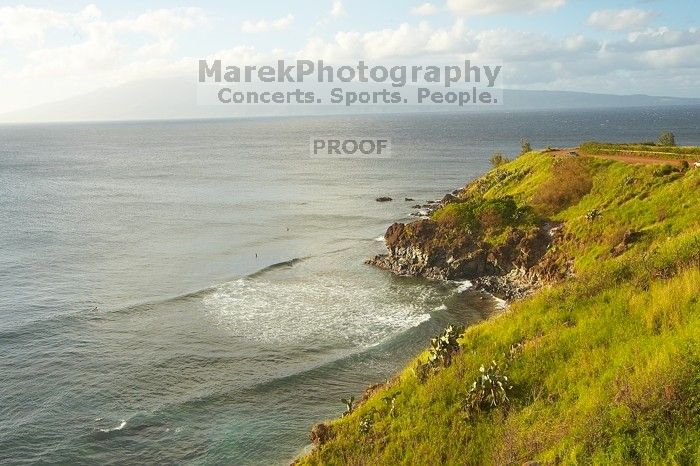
{"x": 631, "y": 159}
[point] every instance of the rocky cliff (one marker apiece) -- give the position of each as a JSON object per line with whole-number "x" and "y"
{"x": 524, "y": 260}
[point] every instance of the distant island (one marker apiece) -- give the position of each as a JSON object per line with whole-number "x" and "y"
{"x": 176, "y": 98}
{"x": 597, "y": 357}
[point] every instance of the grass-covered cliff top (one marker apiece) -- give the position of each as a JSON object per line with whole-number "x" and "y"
{"x": 644, "y": 149}
{"x": 603, "y": 367}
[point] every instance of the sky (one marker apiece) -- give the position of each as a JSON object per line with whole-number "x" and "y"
{"x": 53, "y": 50}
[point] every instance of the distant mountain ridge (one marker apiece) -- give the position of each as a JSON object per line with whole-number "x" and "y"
{"x": 176, "y": 98}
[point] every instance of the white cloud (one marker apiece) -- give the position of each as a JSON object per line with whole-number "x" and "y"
{"x": 164, "y": 22}
{"x": 425, "y": 9}
{"x": 656, "y": 39}
{"x": 425, "y": 41}
{"x": 108, "y": 52}
{"x": 481, "y": 7}
{"x": 680, "y": 57}
{"x": 25, "y": 27}
{"x": 403, "y": 41}
{"x": 338, "y": 10}
{"x": 254, "y": 27}
{"x": 99, "y": 52}
{"x": 160, "y": 48}
{"x": 620, "y": 20}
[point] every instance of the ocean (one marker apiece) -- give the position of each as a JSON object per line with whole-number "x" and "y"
{"x": 194, "y": 292}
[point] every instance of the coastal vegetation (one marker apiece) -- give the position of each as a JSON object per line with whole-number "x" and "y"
{"x": 498, "y": 159}
{"x": 664, "y": 148}
{"x": 666, "y": 138}
{"x": 599, "y": 366}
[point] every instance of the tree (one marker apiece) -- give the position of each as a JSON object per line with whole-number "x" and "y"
{"x": 525, "y": 146}
{"x": 666, "y": 138}
{"x": 498, "y": 159}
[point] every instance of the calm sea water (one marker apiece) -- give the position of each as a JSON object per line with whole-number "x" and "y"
{"x": 194, "y": 292}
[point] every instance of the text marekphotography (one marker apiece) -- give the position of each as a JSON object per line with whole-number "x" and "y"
{"x": 315, "y": 82}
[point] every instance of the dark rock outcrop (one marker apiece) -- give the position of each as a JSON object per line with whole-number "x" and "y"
{"x": 320, "y": 434}
{"x": 627, "y": 239}
{"x": 509, "y": 270}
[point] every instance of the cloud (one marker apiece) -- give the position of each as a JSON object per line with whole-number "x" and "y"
{"x": 26, "y": 27}
{"x": 620, "y": 20}
{"x": 99, "y": 52}
{"x": 164, "y": 22}
{"x": 338, "y": 10}
{"x": 656, "y": 39}
{"x": 160, "y": 48}
{"x": 481, "y": 7}
{"x": 112, "y": 51}
{"x": 405, "y": 40}
{"x": 425, "y": 9}
{"x": 254, "y": 27}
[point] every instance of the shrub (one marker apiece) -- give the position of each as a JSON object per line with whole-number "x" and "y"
{"x": 570, "y": 181}
{"x": 442, "y": 348}
{"x": 664, "y": 170}
{"x": 349, "y": 405}
{"x": 593, "y": 214}
{"x": 484, "y": 214}
{"x": 367, "y": 422}
{"x": 525, "y": 146}
{"x": 666, "y": 138}
{"x": 629, "y": 180}
{"x": 498, "y": 159}
{"x": 390, "y": 402}
{"x": 495, "y": 213}
{"x": 489, "y": 390}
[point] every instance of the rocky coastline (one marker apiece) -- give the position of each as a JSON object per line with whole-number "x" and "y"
{"x": 512, "y": 270}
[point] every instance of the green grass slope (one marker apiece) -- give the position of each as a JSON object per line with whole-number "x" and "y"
{"x": 602, "y": 368}
{"x": 689, "y": 153}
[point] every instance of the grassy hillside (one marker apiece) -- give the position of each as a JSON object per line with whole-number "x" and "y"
{"x": 603, "y": 367}
{"x": 649, "y": 149}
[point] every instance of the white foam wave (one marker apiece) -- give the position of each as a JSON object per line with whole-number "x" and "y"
{"x": 349, "y": 310}
{"x": 379, "y": 239}
{"x": 464, "y": 286}
{"x": 500, "y": 303}
{"x": 121, "y": 425}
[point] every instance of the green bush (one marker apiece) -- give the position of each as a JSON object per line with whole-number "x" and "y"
{"x": 498, "y": 159}
{"x": 367, "y": 422}
{"x": 349, "y": 405}
{"x": 666, "y": 138}
{"x": 484, "y": 214}
{"x": 664, "y": 170}
{"x": 525, "y": 146}
{"x": 489, "y": 390}
{"x": 442, "y": 348}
